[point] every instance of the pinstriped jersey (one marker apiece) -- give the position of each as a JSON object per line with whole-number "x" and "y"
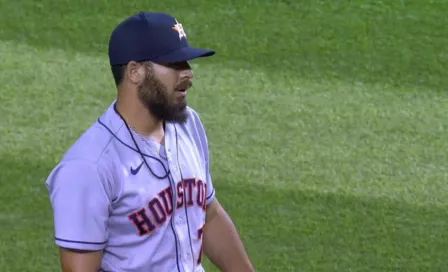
{"x": 104, "y": 196}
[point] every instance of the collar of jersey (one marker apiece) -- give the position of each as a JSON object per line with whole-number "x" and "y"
{"x": 112, "y": 122}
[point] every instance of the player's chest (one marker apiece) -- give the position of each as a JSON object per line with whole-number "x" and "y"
{"x": 158, "y": 185}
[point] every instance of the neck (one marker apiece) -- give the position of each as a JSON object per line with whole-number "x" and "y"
{"x": 140, "y": 119}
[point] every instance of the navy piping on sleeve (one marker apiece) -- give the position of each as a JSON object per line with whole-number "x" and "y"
{"x": 211, "y": 194}
{"x": 79, "y": 242}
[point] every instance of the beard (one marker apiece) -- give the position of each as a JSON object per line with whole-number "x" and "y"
{"x": 154, "y": 95}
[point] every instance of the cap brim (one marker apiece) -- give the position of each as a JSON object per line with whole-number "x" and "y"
{"x": 185, "y": 54}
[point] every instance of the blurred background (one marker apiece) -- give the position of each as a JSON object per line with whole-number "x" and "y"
{"x": 326, "y": 121}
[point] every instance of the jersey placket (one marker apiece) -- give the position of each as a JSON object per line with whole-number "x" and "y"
{"x": 180, "y": 223}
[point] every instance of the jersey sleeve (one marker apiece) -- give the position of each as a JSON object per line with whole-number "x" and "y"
{"x": 80, "y": 205}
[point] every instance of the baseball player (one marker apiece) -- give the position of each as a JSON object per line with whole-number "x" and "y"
{"x": 134, "y": 192}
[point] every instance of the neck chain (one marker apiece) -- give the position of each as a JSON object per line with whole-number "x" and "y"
{"x": 146, "y": 141}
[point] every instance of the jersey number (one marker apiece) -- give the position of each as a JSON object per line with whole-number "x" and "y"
{"x": 200, "y": 232}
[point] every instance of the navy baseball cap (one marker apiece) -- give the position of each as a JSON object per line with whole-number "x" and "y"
{"x": 153, "y": 36}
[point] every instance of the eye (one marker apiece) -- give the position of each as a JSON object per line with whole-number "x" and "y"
{"x": 183, "y": 65}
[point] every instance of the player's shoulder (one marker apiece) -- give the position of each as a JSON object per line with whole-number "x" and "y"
{"x": 94, "y": 144}
{"x": 90, "y": 146}
{"x": 192, "y": 112}
{"x": 194, "y": 120}
{"x": 193, "y": 128}
{"x": 93, "y": 151}
{"x": 91, "y": 156}
{"x": 88, "y": 154}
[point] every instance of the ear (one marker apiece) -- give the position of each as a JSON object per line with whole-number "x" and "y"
{"x": 135, "y": 72}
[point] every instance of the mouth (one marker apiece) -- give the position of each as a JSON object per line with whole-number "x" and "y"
{"x": 182, "y": 89}
{"x": 182, "y": 92}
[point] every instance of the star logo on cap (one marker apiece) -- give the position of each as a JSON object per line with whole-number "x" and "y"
{"x": 180, "y": 29}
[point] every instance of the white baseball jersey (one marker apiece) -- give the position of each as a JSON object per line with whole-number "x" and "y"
{"x": 104, "y": 197}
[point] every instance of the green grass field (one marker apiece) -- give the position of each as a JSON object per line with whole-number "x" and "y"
{"x": 327, "y": 123}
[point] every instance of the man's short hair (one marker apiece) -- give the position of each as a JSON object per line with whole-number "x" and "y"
{"x": 118, "y": 71}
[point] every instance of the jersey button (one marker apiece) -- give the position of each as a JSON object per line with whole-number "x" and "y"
{"x": 180, "y": 221}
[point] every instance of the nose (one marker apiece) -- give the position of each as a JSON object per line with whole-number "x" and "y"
{"x": 187, "y": 73}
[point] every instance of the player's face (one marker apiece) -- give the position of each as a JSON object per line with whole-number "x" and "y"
{"x": 164, "y": 90}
